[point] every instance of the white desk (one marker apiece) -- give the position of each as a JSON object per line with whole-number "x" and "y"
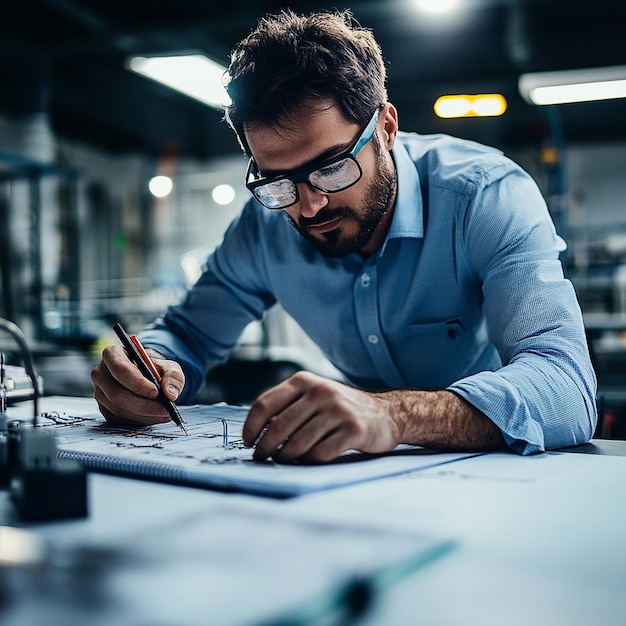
{"x": 538, "y": 540}
{"x": 541, "y": 541}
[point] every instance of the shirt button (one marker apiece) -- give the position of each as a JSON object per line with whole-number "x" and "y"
{"x": 373, "y": 338}
{"x": 365, "y": 280}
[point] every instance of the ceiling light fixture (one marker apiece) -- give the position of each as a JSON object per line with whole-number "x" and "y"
{"x": 479, "y": 105}
{"x": 195, "y": 75}
{"x": 600, "y": 83}
{"x": 437, "y": 6}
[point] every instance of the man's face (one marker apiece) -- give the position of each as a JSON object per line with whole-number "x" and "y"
{"x": 353, "y": 220}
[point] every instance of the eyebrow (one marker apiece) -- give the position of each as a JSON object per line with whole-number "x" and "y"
{"x": 320, "y": 158}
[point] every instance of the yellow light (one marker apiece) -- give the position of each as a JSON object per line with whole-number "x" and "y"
{"x": 490, "y": 105}
{"x": 479, "y": 105}
{"x": 453, "y": 106}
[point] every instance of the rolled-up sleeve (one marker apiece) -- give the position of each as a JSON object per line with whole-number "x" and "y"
{"x": 544, "y": 395}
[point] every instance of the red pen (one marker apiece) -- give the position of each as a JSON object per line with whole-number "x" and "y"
{"x": 146, "y": 357}
{"x": 138, "y": 355}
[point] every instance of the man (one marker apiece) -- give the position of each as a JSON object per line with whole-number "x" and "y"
{"x": 425, "y": 267}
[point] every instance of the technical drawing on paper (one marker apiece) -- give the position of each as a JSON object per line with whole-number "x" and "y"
{"x": 214, "y": 437}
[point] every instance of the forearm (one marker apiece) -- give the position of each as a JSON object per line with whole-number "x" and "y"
{"x": 442, "y": 420}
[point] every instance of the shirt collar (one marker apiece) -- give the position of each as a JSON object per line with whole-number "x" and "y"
{"x": 408, "y": 216}
{"x": 408, "y": 213}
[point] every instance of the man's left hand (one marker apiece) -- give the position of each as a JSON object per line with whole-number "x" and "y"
{"x": 314, "y": 419}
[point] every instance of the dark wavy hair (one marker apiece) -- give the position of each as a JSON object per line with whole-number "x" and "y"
{"x": 290, "y": 61}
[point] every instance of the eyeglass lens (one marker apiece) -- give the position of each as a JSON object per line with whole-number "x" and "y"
{"x": 333, "y": 177}
{"x": 277, "y": 194}
{"x": 336, "y": 176}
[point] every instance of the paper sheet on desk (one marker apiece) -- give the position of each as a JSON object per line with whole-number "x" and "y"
{"x": 212, "y": 561}
{"x": 213, "y": 455}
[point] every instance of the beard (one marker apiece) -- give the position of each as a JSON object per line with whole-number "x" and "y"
{"x": 376, "y": 203}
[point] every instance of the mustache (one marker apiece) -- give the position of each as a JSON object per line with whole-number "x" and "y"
{"x": 324, "y": 215}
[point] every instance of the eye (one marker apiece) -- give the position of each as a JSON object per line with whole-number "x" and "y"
{"x": 333, "y": 169}
{"x": 336, "y": 176}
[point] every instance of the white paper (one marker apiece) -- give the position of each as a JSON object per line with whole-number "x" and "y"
{"x": 213, "y": 455}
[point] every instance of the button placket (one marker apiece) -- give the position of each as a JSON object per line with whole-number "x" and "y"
{"x": 367, "y": 315}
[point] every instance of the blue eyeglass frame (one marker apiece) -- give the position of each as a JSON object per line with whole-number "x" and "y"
{"x": 302, "y": 176}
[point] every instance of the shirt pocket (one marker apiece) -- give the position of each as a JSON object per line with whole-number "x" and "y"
{"x": 439, "y": 353}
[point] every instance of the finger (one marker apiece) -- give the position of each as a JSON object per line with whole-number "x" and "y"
{"x": 282, "y": 427}
{"x": 115, "y": 399}
{"x": 172, "y": 378}
{"x": 328, "y": 448}
{"x": 336, "y": 427}
{"x": 267, "y": 406}
{"x": 126, "y": 373}
{"x": 115, "y": 363}
{"x": 140, "y": 420}
{"x": 121, "y": 403}
{"x": 302, "y": 441}
{"x": 115, "y": 420}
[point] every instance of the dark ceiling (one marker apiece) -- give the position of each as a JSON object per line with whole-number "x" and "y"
{"x": 67, "y": 57}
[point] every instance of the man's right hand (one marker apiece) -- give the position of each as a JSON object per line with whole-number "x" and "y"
{"x": 125, "y": 396}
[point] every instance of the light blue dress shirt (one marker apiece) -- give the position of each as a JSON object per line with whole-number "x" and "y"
{"x": 467, "y": 293}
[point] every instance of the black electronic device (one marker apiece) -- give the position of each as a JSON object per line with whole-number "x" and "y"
{"x": 42, "y": 486}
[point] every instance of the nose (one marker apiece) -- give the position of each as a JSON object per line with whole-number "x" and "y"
{"x": 311, "y": 200}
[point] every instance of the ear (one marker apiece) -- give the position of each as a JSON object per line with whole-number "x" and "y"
{"x": 389, "y": 115}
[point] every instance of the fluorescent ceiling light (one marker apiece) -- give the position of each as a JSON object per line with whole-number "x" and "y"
{"x": 437, "y": 6}
{"x": 601, "y": 83}
{"x": 479, "y": 105}
{"x": 195, "y": 75}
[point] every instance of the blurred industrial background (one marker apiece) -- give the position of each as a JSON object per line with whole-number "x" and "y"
{"x": 84, "y": 241}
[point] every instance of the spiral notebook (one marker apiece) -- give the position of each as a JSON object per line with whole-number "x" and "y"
{"x": 213, "y": 454}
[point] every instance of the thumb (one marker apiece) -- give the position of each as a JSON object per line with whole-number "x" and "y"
{"x": 172, "y": 379}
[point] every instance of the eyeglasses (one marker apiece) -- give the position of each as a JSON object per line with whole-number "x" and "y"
{"x": 334, "y": 174}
